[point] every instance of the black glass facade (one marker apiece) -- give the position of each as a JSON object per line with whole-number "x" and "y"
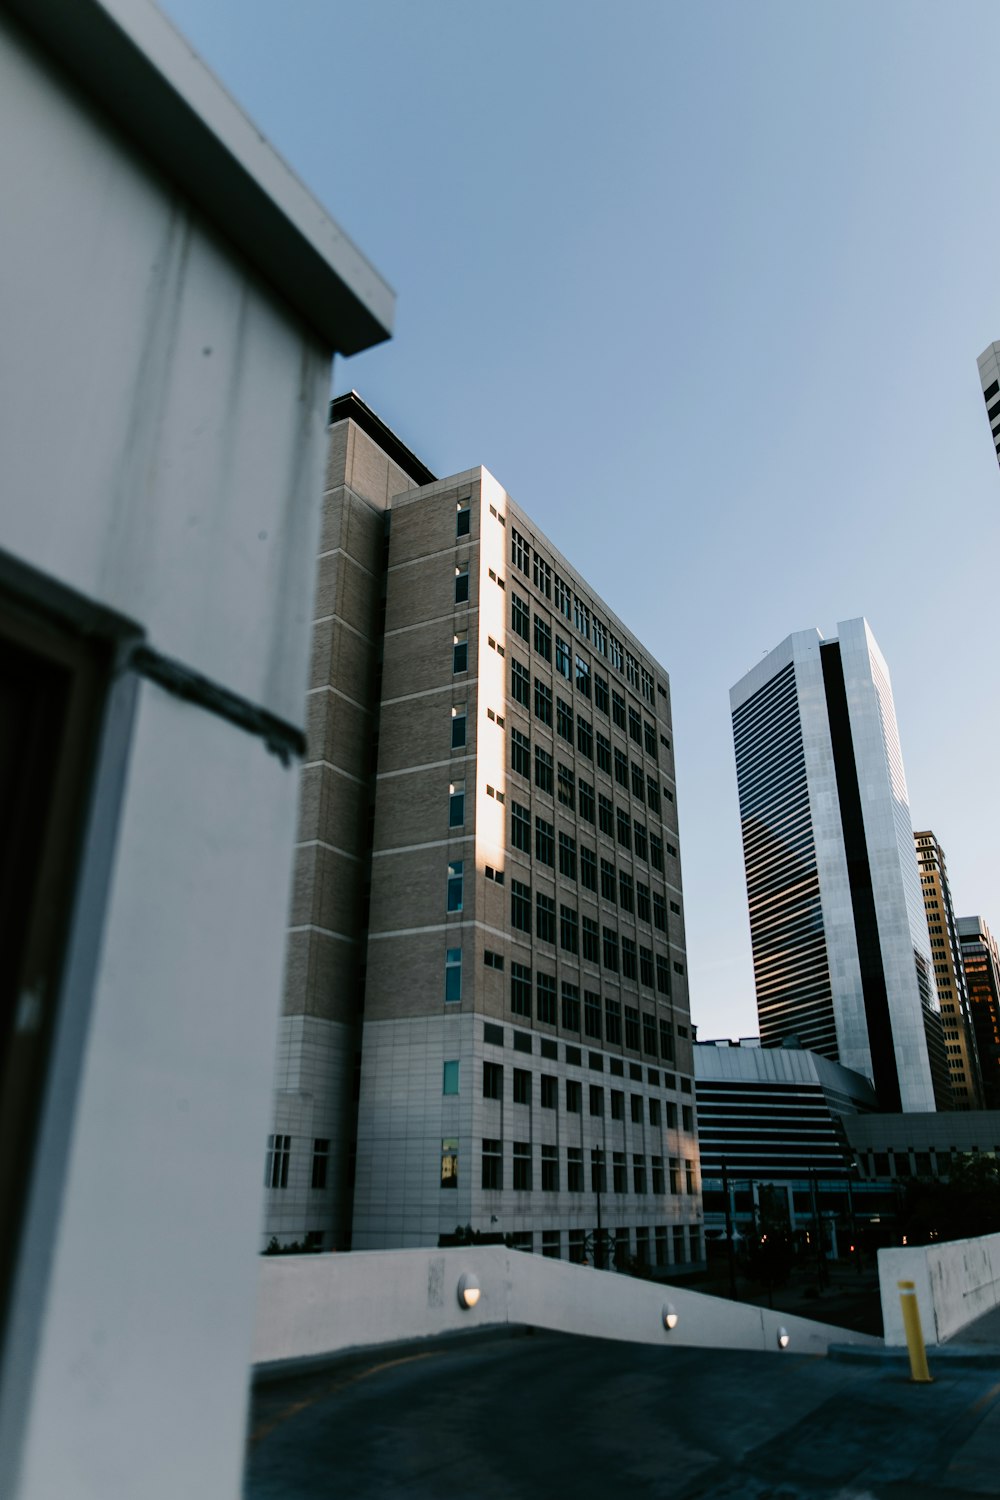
{"x": 791, "y": 971}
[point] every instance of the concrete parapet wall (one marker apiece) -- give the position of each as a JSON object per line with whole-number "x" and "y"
{"x": 309, "y": 1306}
{"x": 955, "y": 1284}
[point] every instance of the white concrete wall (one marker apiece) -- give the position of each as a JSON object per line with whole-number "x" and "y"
{"x": 403, "y": 1118}
{"x": 309, "y": 1306}
{"x": 955, "y": 1284}
{"x": 313, "y": 1077}
{"x": 162, "y": 416}
{"x": 161, "y": 445}
{"x": 147, "y": 1307}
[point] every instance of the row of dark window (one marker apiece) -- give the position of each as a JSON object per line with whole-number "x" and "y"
{"x": 585, "y": 937}
{"x": 611, "y": 760}
{"x": 599, "y": 1021}
{"x": 560, "y": 780}
{"x": 578, "y": 612}
{"x": 279, "y": 1152}
{"x": 524, "y": 1041}
{"x": 587, "y": 738}
{"x": 575, "y": 669}
{"x": 639, "y": 1104}
{"x": 617, "y": 886}
{"x": 613, "y": 1246}
{"x": 680, "y": 1179}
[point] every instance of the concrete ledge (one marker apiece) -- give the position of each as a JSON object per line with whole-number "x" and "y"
{"x": 140, "y": 71}
{"x": 281, "y": 1370}
{"x": 955, "y": 1283}
{"x": 316, "y": 1306}
{"x": 939, "y": 1356}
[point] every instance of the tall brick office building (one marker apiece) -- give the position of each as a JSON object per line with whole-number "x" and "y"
{"x": 486, "y": 1011}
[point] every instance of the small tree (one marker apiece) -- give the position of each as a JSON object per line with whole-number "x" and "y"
{"x": 964, "y": 1207}
{"x": 768, "y": 1259}
{"x": 769, "y": 1255}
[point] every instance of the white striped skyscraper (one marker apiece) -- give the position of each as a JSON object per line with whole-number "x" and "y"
{"x": 841, "y": 951}
{"x": 989, "y": 379}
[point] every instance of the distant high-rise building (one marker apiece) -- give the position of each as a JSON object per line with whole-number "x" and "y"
{"x": 949, "y": 974}
{"x": 981, "y": 961}
{"x": 989, "y": 379}
{"x": 842, "y": 959}
{"x": 486, "y": 1015}
{"x": 526, "y": 1042}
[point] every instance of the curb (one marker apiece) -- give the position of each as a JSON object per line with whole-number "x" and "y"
{"x": 272, "y": 1372}
{"x": 955, "y": 1356}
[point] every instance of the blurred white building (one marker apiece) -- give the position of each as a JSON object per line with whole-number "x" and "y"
{"x": 172, "y": 298}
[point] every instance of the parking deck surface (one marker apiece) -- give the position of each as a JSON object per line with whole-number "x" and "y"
{"x": 549, "y": 1416}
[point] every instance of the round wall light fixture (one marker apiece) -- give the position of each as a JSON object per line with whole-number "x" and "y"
{"x": 784, "y": 1338}
{"x": 468, "y": 1290}
{"x": 671, "y": 1317}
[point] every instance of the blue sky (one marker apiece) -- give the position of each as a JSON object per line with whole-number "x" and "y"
{"x": 703, "y": 286}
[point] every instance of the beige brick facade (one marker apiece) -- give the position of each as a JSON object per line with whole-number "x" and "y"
{"x": 524, "y": 1067}
{"x": 412, "y": 1032}
{"x": 949, "y": 977}
{"x": 309, "y": 1174}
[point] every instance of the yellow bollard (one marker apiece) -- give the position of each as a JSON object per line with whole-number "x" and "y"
{"x": 914, "y": 1333}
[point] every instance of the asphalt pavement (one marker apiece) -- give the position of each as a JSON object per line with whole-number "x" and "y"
{"x": 508, "y": 1418}
{"x": 984, "y": 1331}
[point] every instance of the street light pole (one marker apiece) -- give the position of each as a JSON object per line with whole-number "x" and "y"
{"x": 818, "y": 1227}
{"x": 731, "y": 1249}
{"x": 854, "y": 1232}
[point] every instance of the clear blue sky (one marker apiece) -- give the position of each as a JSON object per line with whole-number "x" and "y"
{"x": 703, "y": 285}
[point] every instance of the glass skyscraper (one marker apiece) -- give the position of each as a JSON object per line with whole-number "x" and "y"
{"x": 981, "y": 961}
{"x": 989, "y": 379}
{"x": 842, "y": 961}
{"x": 949, "y": 975}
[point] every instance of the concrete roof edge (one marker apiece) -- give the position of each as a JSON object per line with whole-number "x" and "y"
{"x": 350, "y": 407}
{"x": 138, "y": 70}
